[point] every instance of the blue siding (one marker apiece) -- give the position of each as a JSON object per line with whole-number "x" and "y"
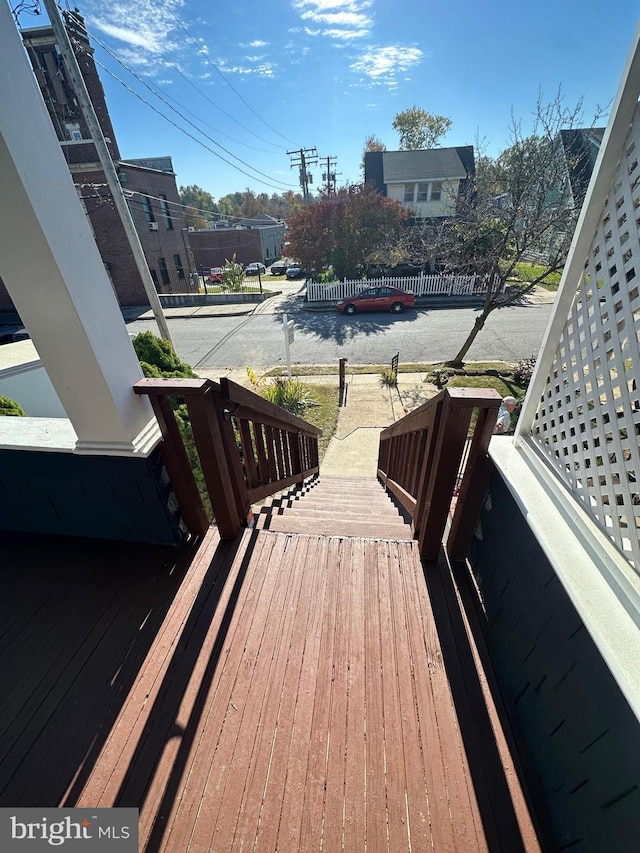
{"x": 105, "y": 497}
{"x": 579, "y": 740}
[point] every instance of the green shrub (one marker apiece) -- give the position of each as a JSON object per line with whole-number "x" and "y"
{"x": 9, "y": 408}
{"x": 154, "y": 352}
{"x": 289, "y": 394}
{"x": 158, "y": 360}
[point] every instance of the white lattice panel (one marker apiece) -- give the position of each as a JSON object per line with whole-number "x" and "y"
{"x": 588, "y": 420}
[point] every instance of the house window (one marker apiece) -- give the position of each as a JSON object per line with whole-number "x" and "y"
{"x": 423, "y": 192}
{"x": 154, "y": 277}
{"x": 148, "y": 210}
{"x": 436, "y": 191}
{"x": 408, "y": 193}
{"x": 179, "y": 268}
{"x": 165, "y": 212}
{"x": 164, "y": 272}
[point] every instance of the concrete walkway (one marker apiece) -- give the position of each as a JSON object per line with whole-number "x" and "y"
{"x": 370, "y": 407}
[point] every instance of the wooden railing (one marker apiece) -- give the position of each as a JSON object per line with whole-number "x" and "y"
{"x": 420, "y": 459}
{"x": 248, "y": 448}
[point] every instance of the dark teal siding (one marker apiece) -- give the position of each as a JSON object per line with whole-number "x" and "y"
{"x": 105, "y": 497}
{"x": 579, "y": 739}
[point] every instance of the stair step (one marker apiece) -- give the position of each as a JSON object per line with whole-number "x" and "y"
{"x": 365, "y": 513}
{"x": 341, "y": 527}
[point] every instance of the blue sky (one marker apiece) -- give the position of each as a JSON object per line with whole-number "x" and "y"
{"x": 262, "y": 78}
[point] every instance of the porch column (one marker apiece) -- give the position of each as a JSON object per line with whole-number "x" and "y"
{"x": 55, "y": 275}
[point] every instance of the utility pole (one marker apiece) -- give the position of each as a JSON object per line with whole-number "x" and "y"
{"x": 305, "y": 157}
{"x": 329, "y": 177}
{"x": 77, "y": 82}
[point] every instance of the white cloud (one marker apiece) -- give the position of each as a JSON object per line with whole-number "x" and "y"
{"x": 341, "y": 19}
{"x": 346, "y": 34}
{"x": 258, "y": 43}
{"x": 383, "y": 65}
{"x": 148, "y": 27}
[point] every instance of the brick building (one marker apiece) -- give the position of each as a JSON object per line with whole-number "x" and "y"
{"x": 149, "y": 184}
{"x": 258, "y": 239}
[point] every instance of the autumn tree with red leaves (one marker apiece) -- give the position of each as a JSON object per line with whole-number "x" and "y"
{"x": 341, "y": 230}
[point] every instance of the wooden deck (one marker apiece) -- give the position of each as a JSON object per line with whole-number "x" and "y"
{"x": 283, "y": 692}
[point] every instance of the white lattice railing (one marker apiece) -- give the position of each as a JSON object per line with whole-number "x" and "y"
{"x": 588, "y": 419}
{"x": 421, "y": 285}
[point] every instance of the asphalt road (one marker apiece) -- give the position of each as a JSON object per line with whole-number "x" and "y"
{"x": 323, "y": 337}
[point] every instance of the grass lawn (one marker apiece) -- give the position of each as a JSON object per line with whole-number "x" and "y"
{"x": 325, "y": 414}
{"x": 526, "y": 272}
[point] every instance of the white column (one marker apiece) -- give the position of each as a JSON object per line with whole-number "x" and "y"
{"x": 55, "y": 275}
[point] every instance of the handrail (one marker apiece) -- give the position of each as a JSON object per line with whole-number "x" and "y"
{"x": 248, "y": 448}
{"x": 419, "y": 461}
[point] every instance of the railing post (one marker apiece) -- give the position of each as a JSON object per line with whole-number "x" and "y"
{"x": 213, "y": 459}
{"x": 473, "y": 487}
{"x": 439, "y": 481}
{"x": 178, "y": 467}
{"x": 342, "y": 381}
{"x": 238, "y": 481}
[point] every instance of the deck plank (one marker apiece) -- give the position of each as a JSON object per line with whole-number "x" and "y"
{"x": 375, "y": 793}
{"x": 294, "y": 698}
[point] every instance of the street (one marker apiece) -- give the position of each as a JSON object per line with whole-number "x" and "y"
{"x": 324, "y": 337}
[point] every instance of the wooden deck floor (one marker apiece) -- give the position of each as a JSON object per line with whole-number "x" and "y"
{"x": 283, "y": 692}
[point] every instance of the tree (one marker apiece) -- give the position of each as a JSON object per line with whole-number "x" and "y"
{"x": 201, "y": 206}
{"x": 419, "y": 129}
{"x": 343, "y": 229}
{"x": 371, "y": 143}
{"x": 519, "y": 207}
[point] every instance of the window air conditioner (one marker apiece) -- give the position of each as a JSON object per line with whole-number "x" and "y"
{"x": 153, "y": 226}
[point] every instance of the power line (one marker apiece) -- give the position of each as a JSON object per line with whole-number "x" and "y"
{"x": 190, "y": 135}
{"x": 264, "y": 121}
{"x": 197, "y": 89}
{"x": 177, "y": 112}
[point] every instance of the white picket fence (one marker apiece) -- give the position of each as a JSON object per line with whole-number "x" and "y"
{"x": 421, "y": 285}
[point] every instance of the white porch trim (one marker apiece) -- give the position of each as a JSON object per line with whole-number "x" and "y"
{"x": 600, "y": 583}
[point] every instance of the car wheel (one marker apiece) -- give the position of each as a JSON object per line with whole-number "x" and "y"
{"x": 351, "y": 309}
{"x": 397, "y": 307}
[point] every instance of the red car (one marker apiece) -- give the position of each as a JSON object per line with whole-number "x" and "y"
{"x": 215, "y": 274}
{"x": 378, "y": 299}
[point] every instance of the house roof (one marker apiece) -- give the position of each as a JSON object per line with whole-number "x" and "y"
{"x": 428, "y": 164}
{"x": 156, "y": 164}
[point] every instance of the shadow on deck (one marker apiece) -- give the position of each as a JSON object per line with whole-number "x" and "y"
{"x": 281, "y": 690}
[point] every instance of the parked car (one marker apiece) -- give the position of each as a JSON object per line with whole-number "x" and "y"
{"x": 295, "y": 271}
{"x": 278, "y": 268}
{"x": 255, "y": 269}
{"x": 378, "y": 299}
{"x": 232, "y": 268}
{"x": 215, "y": 274}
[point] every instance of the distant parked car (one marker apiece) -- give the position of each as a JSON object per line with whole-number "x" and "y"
{"x": 255, "y": 269}
{"x": 232, "y": 268}
{"x": 295, "y": 271}
{"x": 378, "y": 299}
{"x": 279, "y": 268}
{"x": 215, "y": 274}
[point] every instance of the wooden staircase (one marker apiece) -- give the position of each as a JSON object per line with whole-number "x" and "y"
{"x": 333, "y": 506}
